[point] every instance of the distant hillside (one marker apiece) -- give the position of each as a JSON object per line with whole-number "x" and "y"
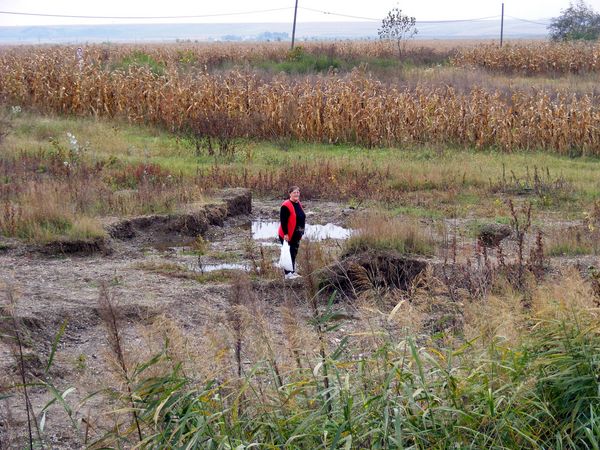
{"x": 482, "y": 29}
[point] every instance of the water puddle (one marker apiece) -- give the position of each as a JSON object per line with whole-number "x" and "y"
{"x": 171, "y": 244}
{"x": 268, "y": 230}
{"x": 203, "y": 268}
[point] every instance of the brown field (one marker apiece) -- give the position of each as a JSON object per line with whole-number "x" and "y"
{"x": 169, "y": 88}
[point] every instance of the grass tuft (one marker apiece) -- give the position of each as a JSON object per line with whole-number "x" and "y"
{"x": 380, "y": 232}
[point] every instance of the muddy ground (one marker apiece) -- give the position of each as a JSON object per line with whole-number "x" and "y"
{"x": 52, "y": 289}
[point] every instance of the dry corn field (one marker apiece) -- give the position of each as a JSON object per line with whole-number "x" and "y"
{"x": 336, "y": 108}
{"x": 533, "y": 59}
{"x": 211, "y": 55}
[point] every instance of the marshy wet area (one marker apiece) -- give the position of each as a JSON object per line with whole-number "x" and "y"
{"x": 228, "y": 247}
{"x": 159, "y": 268}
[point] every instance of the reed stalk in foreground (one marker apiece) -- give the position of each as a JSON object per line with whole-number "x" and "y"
{"x": 110, "y": 316}
{"x": 17, "y": 349}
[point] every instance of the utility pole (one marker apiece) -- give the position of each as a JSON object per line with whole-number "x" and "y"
{"x": 501, "y": 27}
{"x": 294, "y": 27}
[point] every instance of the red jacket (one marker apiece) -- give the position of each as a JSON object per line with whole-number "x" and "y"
{"x": 291, "y": 226}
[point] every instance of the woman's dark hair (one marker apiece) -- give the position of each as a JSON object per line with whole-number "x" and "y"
{"x": 292, "y": 189}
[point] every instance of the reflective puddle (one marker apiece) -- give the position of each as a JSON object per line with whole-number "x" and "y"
{"x": 166, "y": 245}
{"x": 224, "y": 266}
{"x": 268, "y": 230}
{"x": 263, "y": 231}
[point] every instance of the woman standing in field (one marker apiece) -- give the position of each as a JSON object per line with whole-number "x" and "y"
{"x": 291, "y": 228}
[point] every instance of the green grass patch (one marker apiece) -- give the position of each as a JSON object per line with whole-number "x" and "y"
{"x": 568, "y": 249}
{"x": 197, "y": 248}
{"x": 217, "y": 276}
{"x": 474, "y": 227}
{"x": 299, "y": 61}
{"x": 140, "y": 59}
{"x": 303, "y": 64}
{"x": 223, "y": 256}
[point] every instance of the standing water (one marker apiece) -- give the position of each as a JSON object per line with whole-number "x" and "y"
{"x": 268, "y": 230}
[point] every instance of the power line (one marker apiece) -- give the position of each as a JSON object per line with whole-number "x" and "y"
{"x": 379, "y": 20}
{"x": 459, "y": 20}
{"x": 338, "y": 14}
{"x": 241, "y": 13}
{"x": 529, "y": 21}
{"x": 66, "y": 16}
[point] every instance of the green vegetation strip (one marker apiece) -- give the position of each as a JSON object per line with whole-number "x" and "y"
{"x": 89, "y": 168}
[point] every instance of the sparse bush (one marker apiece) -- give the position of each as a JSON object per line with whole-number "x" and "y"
{"x": 541, "y": 183}
{"x": 397, "y": 27}
{"x": 200, "y": 246}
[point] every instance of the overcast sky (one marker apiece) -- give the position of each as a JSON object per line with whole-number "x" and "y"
{"x": 422, "y": 9}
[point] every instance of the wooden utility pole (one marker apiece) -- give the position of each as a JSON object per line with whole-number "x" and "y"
{"x": 501, "y": 27}
{"x": 294, "y": 27}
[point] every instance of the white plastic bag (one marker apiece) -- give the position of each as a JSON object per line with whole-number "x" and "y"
{"x": 285, "y": 259}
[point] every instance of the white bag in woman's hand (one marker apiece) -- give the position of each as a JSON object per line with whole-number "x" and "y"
{"x": 285, "y": 259}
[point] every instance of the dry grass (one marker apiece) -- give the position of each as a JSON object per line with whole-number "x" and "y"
{"x": 500, "y": 315}
{"x": 179, "y": 271}
{"x": 381, "y": 232}
{"x": 42, "y": 197}
{"x": 45, "y": 195}
{"x": 504, "y": 314}
{"x": 478, "y": 370}
{"x": 572, "y": 241}
{"x": 41, "y": 212}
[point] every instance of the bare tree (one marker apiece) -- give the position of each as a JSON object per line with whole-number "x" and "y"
{"x": 397, "y": 27}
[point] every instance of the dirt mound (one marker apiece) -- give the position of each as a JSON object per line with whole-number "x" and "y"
{"x": 490, "y": 235}
{"x": 181, "y": 227}
{"x": 191, "y": 222}
{"x": 76, "y": 247}
{"x": 372, "y": 269}
{"x": 238, "y": 201}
